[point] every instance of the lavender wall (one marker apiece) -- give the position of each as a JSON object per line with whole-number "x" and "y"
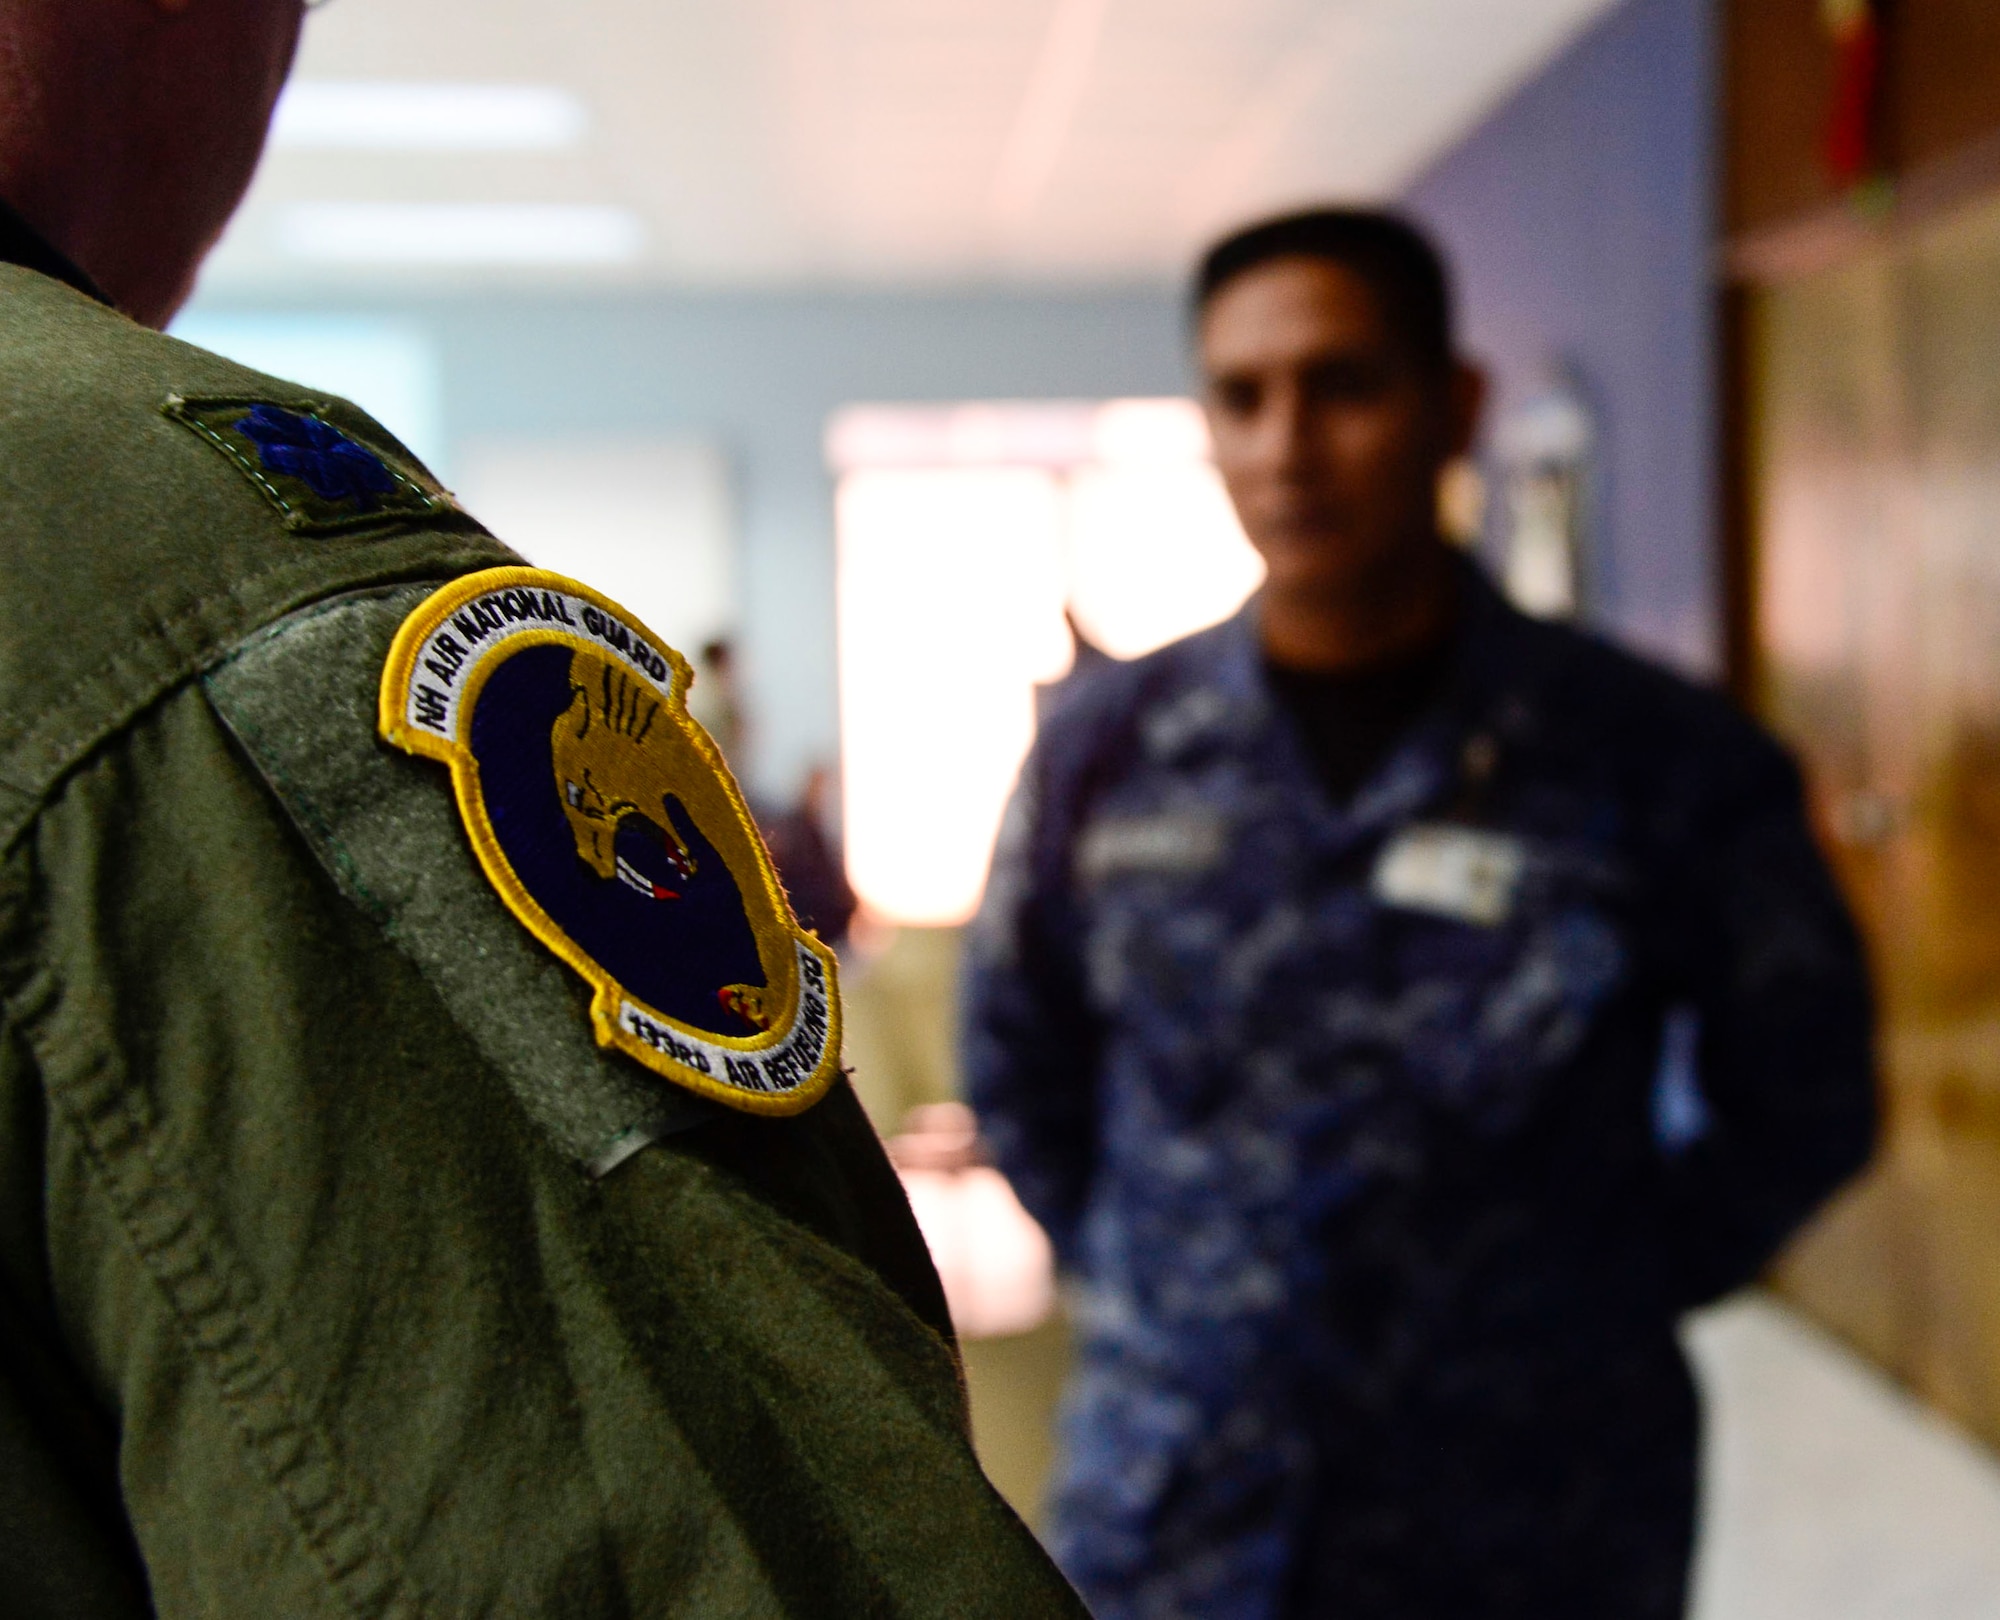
{"x": 1579, "y": 216}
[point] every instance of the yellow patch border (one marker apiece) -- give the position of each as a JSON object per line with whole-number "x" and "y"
{"x": 400, "y": 675}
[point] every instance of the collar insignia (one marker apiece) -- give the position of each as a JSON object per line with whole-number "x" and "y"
{"x": 608, "y": 823}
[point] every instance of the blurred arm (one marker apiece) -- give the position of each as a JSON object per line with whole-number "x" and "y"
{"x": 1786, "y": 1057}
{"x": 1030, "y": 1045}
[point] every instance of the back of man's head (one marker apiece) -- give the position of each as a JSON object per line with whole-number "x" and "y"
{"x": 130, "y": 129}
{"x": 1397, "y": 261}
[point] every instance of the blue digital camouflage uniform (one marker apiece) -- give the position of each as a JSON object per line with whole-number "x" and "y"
{"x": 1378, "y": 1237}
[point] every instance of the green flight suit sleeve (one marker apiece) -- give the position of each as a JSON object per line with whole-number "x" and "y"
{"x": 64, "y": 1546}
{"x": 348, "y": 1335}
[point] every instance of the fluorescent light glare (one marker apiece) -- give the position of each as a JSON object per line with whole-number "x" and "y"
{"x": 1156, "y": 553}
{"x": 460, "y": 233}
{"x": 964, "y": 532}
{"x": 1160, "y": 432}
{"x": 950, "y": 595}
{"x": 1009, "y": 433}
{"x": 386, "y": 116}
{"x": 1018, "y": 433}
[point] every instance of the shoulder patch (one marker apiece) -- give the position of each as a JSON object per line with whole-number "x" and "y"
{"x": 321, "y": 478}
{"x": 301, "y": 698}
{"x": 606, "y": 820}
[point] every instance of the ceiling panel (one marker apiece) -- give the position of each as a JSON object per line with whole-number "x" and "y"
{"x": 814, "y": 141}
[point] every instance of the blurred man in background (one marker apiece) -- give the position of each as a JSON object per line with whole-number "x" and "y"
{"x": 342, "y": 1269}
{"x": 808, "y": 859}
{"x": 1317, "y": 1009}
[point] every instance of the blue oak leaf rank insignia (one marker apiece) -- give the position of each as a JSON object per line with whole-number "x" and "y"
{"x": 331, "y": 464}
{"x": 606, "y": 821}
{"x": 323, "y": 466}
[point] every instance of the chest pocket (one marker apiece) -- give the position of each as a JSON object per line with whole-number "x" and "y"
{"x": 1154, "y": 885}
{"x": 1498, "y": 958}
{"x": 1466, "y": 873}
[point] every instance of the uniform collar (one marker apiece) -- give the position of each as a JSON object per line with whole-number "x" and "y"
{"x": 22, "y": 244}
{"x": 1485, "y": 628}
{"x": 1230, "y": 705}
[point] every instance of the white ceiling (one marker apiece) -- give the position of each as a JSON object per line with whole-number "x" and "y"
{"x": 817, "y": 141}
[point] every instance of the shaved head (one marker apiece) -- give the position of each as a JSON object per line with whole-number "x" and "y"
{"x": 130, "y": 129}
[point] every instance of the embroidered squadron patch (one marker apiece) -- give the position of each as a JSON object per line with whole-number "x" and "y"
{"x": 608, "y": 823}
{"x": 320, "y": 477}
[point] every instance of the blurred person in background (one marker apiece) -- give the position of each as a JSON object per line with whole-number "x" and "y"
{"x": 808, "y": 859}
{"x": 716, "y": 698}
{"x": 343, "y": 1268}
{"x": 1318, "y": 1005}
{"x": 799, "y": 837}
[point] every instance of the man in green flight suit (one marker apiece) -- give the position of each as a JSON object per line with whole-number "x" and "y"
{"x": 426, "y": 1185}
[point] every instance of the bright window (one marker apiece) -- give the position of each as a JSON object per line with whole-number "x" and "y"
{"x": 966, "y": 533}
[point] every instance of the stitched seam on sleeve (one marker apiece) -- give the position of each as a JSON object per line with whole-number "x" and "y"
{"x": 212, "y": 1297}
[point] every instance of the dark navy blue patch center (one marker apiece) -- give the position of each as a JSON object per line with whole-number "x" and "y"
{"x": 674, "y": 932}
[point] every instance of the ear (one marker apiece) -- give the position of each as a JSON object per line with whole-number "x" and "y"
{"x": 1466, "y": 402}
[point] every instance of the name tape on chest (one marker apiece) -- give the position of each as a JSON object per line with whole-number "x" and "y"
{"x": 604, "y": 817}
{"x": 1170, "y": 844}
{"x": 1465, "y": 873}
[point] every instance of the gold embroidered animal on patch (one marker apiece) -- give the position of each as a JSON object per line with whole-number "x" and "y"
{"x": 605, "y": 773}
